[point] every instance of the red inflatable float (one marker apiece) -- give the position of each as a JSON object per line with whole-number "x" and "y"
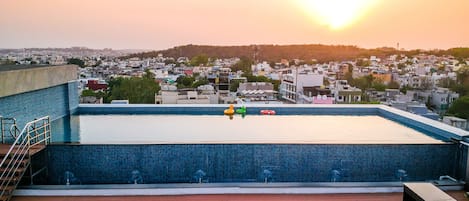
{"x": 267, "y": 112}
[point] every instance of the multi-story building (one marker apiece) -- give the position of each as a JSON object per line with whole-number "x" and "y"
{"x": 441, "y": 99}
{"x": 344, "y": 93}
{"x": 257, "y": 91}
{"x": 292, "y": 84}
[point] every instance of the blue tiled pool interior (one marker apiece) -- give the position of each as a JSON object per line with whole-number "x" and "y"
{"x": 185, "y": 161}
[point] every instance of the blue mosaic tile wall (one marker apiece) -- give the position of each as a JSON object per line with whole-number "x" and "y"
{"x": 57, "y": 102}
{"x": 113, "y": 164}
{"x": 73, "y": 97}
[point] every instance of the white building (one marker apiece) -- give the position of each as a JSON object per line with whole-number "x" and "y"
{"x": 442, "y": 98}
{"x": 261, "y": 69}
{"x": 292, "y": 84}
{"x": 344, "y": 93}
{"x": 170, "y": 95}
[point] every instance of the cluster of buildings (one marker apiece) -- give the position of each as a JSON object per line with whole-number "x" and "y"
{"x": 303, "y": 83}
{"x": 300, "y": 83}
{"x": 59, "y": 56}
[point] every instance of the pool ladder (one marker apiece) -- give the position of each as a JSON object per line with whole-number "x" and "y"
{"x": 16, "y": 157}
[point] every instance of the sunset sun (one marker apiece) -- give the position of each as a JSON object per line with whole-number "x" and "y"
{"x": 337, "y": 14}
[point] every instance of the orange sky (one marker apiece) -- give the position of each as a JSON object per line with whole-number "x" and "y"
{"x": 161, "y": 24}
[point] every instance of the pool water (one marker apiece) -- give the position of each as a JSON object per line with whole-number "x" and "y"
{"x": 252, "y": 129}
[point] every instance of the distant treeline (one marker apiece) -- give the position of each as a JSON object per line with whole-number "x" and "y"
{"x": 322, "y": 53}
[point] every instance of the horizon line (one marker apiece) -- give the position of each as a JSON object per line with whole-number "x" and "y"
{"x": 217, "y": 45}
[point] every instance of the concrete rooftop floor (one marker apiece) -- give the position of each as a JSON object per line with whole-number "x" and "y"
{"x": 458, "y": 195}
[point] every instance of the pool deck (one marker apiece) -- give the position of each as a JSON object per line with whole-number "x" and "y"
{"x": 458, "y": 195}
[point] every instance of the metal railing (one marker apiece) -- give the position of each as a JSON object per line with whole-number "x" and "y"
{"x": 8, "y": 129}
{"x": 18, "y": 156}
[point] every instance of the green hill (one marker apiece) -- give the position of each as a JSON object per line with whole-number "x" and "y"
{"x": 321, "y": 53}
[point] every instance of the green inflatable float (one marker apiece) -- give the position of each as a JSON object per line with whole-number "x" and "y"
{"x": 241, "y": 110}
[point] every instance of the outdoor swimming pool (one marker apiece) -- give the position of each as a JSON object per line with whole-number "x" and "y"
{"x": 176, "y": 144}
{"x": 251, "y": 129}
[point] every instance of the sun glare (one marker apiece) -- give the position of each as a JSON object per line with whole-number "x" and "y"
{"x": 337, "y": 14}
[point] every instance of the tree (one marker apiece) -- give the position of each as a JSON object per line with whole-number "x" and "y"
{"x": 199, "y": 60}
{"x": 244, "y": 64}
{"x": 76, "y": 61}
{"x": 350, "y": 67}
{"x": 460, "y": 107}
{"x": 349, "y": 77}
{"x": 462, "y": 81}
{"x": 378, "y": 85}
{"x": 200, "y": 83}
{"x": 363, "y": 83}
{"x": 463, "y": 75}
{"x": 276, "y": 84}
{"x": 363, "y": 62}
{"x": 405, "y": 88}
{"x": 252, "y": 78}
{"x": 148, "y": 75}
{"x": 459, "y": 53}
{"x": 447, "y": 83}
{"x": 393, "y": 85}
{"x": 234, "y": 85}
{"x": 88, "y": 92}
{"x": 134, "y": 89}
{"x": 184, "y": 81}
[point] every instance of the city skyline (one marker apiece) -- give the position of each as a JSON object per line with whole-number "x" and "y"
{"x": 144, "y": 24}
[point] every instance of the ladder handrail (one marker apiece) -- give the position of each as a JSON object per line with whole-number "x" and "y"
{"x": 14, "y": 130}
{"x": 4, "y": 121}
{"x": 19, "y": 150}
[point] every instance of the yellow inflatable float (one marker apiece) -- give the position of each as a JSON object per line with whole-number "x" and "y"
{"x": 229, "y": 111}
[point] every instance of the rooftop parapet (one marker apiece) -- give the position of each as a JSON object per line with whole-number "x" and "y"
{"x": 16, "y": 79}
